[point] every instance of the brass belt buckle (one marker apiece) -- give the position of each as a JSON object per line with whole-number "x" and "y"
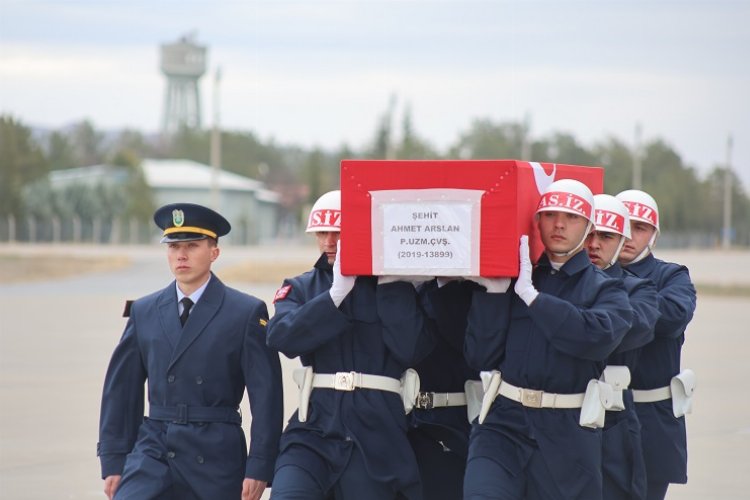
{"x": 425, "y": 401}
{"x": 531, "y": 398}
{"x": 344, "y": 381}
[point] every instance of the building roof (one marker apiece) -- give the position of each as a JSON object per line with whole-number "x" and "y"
{"x": 190, "y": 174}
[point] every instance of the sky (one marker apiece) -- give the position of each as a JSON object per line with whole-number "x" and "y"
{"x": 321, "y": 73}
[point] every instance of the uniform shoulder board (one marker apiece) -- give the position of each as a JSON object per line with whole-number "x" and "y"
{"x": 281, "y": 293}
{"x": 263, "y": 322}
{"x": 126, "y": 311}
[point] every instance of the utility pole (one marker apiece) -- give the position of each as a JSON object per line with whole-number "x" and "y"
{"x": 726, "y": 240}
{"x": 216, "y": 147}
{"x": 637, "y": 158}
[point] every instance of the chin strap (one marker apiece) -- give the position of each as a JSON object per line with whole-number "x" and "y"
{"x": 577, "y": 247}
{"x": 616, "y": 256}
{"x": 646, "y": 250}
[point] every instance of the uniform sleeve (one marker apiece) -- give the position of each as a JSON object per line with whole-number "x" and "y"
{"x": 262, "y": 371}
{"x": 487, "y": 329}
{"x": 588, "y": 332}
{"x": 644, "y": 301}
{"x": 407, "y": 331}
{"x": 449, "y": 306}
{"x": 677, "y": 300}
{"x": 298, "y": 327}
{"x": 122, "y": 402}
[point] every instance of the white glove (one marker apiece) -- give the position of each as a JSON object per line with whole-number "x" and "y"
{"x": 524, "y": 287}
{"x": 414, "y": 280}
{"x": 341, "y": 285}
{"x": 493, "y": 285}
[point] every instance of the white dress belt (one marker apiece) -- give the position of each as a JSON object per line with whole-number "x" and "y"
{"x": 539, "y": 399}
{"x": 348, "y": 381}
{"x": 430, "y": 400}
{"x": 652, "y": 395}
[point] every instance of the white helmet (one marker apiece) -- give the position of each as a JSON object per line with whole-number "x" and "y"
{"x": 326, "y": 213}
{"x": 611, "y": 216}
{"x": 642, "y": 208}
{"x": 568, "y": 195}
{"x": 571, "y": 196}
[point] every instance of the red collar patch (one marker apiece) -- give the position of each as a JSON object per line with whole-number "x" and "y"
{"x": 281, "y": 293}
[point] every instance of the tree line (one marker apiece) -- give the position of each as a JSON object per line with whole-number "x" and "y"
{"x": 690, "y": 206}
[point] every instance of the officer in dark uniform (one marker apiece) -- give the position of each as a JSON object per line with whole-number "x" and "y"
{"x": 664, "y": 435}
{"x": 438, "y": 427}
{"x": 355, "y": 337}
{"x": 199, "y": 344}
{"x": 623, "y": 467}
{"x": 547, "y": 342}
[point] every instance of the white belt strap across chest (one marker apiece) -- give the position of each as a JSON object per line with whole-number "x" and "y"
{"x": 348, "y": 381}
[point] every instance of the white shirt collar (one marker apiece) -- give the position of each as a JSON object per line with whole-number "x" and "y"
{"x": 196, "y": 295}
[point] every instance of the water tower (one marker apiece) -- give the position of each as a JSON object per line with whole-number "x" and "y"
{"x": 183, "y": 63}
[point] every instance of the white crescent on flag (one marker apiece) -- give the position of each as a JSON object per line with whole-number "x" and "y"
{"x": 541, "y": 178}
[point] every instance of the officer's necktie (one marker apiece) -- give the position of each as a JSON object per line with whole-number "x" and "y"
{"x": 186, "y": 304}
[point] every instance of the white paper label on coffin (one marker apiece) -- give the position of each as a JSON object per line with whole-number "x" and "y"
{"x": 430, "y": 232}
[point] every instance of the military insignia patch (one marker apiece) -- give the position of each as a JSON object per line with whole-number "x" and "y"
{"x": 178, "y": 217}
{"x": 281, "y": 293}
{"x": 263, "y": 322}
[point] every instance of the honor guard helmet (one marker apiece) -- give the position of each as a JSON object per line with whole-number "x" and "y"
{"x": 325, "y": 214}
{"x": 570, "y": 196}
{"x": 611, "y": 216}
{"x": 642, "y": 208}
{"x": 189, "y": 222}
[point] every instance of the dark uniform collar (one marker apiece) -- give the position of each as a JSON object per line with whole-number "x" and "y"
{"x": 644, "y": 266}
{"x": 322, "y": 263}
{"x": 614, "y": 271}
{"x": 575, "y": 264}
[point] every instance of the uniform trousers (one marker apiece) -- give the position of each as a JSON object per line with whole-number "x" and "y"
{"x": 293, "y": 482}
{"x": 440, "y": 468}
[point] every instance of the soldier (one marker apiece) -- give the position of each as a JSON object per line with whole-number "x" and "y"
{"x": 624, "y": 471}
{"x": 438, "y": 426}
{"x": 537, "y": 435}
{"x": 200, "y": 345}
{"x": 355, "y": 337}
{"x": 663, "y": 428}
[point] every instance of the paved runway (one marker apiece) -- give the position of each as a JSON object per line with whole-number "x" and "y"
{"x": 56, "y": 339}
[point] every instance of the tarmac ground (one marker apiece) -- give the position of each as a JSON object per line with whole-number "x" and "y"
{"x": 56, "y": 338}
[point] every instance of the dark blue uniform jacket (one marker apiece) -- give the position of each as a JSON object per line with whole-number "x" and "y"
{"x": 664, "y": 436}
{"x": 220, "y": 351}
{"x": 377, "y": 329}
{"x": 622, "y": 455}
{"x": 445, "y": 369}
{"x": 557, "y": 344}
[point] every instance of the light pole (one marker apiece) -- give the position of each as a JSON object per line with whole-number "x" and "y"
{"x": 216, "y": 146}
{"x": 726, "y": 240}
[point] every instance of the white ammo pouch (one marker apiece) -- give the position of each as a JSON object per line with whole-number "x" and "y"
{"x": 597, "y": 400}
{"x": 619, "y": 378}
{"x": 306, "y": 380}
{"x": 682, "y": 386}
{"x": 680, "y": 390}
